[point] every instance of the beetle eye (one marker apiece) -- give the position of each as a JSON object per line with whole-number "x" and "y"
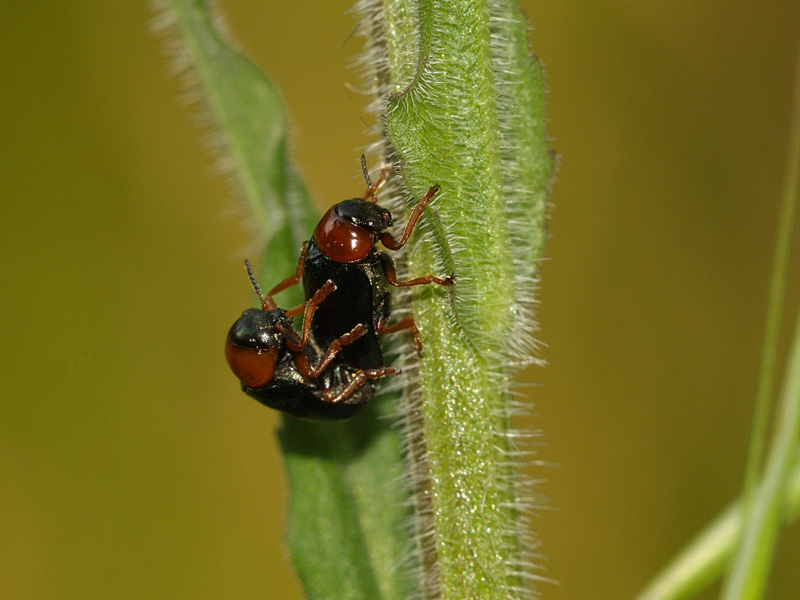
{"x": 254, "y": 368}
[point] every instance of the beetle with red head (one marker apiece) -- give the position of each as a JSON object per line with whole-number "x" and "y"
{"x": 342, "y": 250}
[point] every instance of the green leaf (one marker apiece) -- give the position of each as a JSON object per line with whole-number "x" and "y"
{"x": 245, "y": 107}
{"x": 348, "y": 517}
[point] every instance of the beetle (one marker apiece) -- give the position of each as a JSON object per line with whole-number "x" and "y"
{"x": 273, "y": 362}
{"x": 342, "y": 249}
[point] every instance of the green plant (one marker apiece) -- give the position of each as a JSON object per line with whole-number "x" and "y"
{"x": 461, "y": 103}
{"x": 465, "y": 111}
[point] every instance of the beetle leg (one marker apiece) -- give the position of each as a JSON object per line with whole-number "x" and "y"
{"x": 310, "y": 308}
{"x": 406, "y": 323}
{"x": 391, "y": 275}
{"x": 388, "y": 240}
{"x": 296, "y": 310}
{"x": 290, "y": 281}
{"x": 359, "y": 379}
{"x": 335, "y": 348}
{"x": 302, "y": 364}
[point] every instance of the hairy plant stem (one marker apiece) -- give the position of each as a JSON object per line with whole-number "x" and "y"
{"x": 466, "y": 112}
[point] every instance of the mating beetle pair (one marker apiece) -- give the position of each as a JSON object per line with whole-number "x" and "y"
{"x": 346, "y": 282}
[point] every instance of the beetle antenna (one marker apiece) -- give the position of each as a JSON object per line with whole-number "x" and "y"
{"x": 367, "y": 179}
{"x": 267, "y": 303}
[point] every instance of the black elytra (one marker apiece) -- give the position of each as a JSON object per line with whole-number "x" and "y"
{"x": 362, "y": 296}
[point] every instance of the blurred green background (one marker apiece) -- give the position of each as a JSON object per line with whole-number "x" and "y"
{"x": 130, "y": 464}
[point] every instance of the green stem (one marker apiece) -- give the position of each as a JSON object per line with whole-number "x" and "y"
{"x": 706, "y": 557}
{"x": 777, "y": 296}
{"x": 753, "y": 521}
{"x": 469, "y": 118}
{"x": 747, "y": 579}
{"x": 750, "y": 567}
